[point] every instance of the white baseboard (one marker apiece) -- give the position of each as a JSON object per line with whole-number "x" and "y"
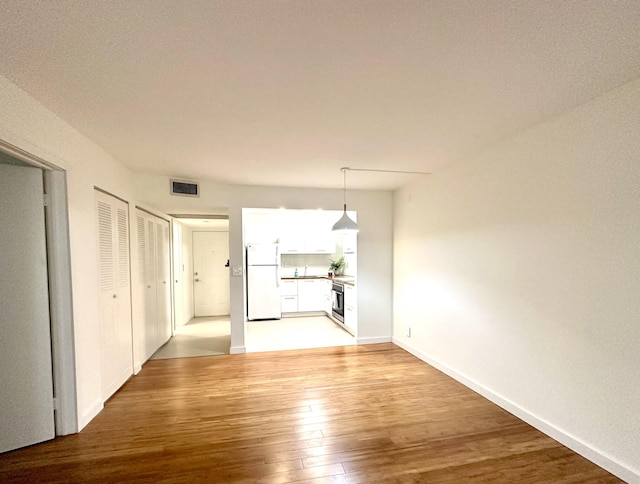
{"x": 90, "y": 414}
{"x": 597, "y": 457}
{"x": 237, "y": 350}
{"x": 137, "y": 367}
{"x": 373, "y": 341}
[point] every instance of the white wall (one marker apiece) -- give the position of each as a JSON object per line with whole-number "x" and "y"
{"x": 374, "y": 210}
{"x": 28, "y": 125}
{"x": 518, "y": 273}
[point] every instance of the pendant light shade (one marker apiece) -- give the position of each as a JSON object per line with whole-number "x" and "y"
{"x": 345, "y": 224}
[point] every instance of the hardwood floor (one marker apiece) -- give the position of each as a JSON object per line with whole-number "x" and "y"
{"x": 350, "y": 414}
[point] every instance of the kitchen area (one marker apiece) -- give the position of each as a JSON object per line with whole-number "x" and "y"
{"x": 300, "y": 279}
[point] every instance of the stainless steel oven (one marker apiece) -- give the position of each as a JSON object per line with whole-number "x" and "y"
{"x": 337, "y": 301}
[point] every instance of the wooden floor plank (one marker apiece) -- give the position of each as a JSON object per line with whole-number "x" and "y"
{"x": 352, "y": 414}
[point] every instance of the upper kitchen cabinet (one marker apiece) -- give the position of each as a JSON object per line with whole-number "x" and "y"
{"x": 320, "y": 241}
{"x": 261, "y": 226}
{"x": 307, "y": 232}
{"x": 291, "y": 243}
{"x": 349, "y": 242}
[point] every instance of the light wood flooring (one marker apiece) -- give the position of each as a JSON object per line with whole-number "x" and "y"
{"x": 349, "y": 414}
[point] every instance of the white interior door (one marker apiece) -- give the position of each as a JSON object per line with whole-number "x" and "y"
{"x": 26, "y": 395}
{"x": 177, "y": 275}
{"x": 211, "y": 276}
{"x": 114, "y": 292}
{"x": 163, "y": 282}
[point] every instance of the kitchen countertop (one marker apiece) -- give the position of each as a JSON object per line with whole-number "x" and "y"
{"x": 344, "y": 280}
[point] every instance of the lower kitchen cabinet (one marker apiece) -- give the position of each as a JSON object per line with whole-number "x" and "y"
{"x": 289, "y": 304}
{"x": 350, "y": 307}
{"x": 302, "y": 295}
{"x": 310, "y": 295}
{"x": 289, "y": 295}
{"x": 328, "y": 304}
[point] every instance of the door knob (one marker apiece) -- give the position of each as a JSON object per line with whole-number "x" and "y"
{"x": 197, "y": 280}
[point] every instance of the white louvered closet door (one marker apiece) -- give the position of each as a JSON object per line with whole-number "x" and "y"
{"x": 116, "y": 345}
{"x": 154, "y": 280}
{"x": 163, "y": 281}
{"x": 150, "y": 298}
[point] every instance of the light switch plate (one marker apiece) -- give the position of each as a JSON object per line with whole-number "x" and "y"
{"x": 236, "y": 271}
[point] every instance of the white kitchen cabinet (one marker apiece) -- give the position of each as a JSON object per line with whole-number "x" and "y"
{"x": 349, "y": 242}
{"x": 288, "y": 287}
{"x": 320, "y": 243}
{"x": 292, "y": 244}
{"x": 289, "y": 295}
{"x": 310, "y": 295}
{"x": 328, "y": 306}
{"x": 350, "y": 307}
{"x": 289, "y": 304}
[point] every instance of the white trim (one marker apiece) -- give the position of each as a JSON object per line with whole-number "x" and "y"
{"x": 25, "y": 156}
{"x": 137, "y": 368}
{"x": 589, "y": 452}
{"x": 61, "y": 303}
{"x": 237, "y": 350}
{"x": 60, "y": 293}
{"x": 91, "y": 413}
{"x": 373, "y": 341}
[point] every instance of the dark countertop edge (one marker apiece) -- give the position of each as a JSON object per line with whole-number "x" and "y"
{"x": 351, "y": 283}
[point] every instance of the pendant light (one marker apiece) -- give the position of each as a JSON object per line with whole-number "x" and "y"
{"x": 345, "y": 224}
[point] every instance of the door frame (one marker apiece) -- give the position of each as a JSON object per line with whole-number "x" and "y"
{"x": 60, "y": 295}
{"x": 181, "y": 218}
{"x": 204, "y": 230}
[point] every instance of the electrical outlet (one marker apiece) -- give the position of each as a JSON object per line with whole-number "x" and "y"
{"x": 409, "y": 332}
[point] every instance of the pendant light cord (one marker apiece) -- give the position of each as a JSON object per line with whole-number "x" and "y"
{"x": 386, "y": 171}
{"x": 344, "y": 189}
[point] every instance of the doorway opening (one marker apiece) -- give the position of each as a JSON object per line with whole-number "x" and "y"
{"x": 201, "y": 289}
{"x": 44, "y": 363}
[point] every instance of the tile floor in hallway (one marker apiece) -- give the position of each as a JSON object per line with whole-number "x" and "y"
{"x": 209, "y": 336}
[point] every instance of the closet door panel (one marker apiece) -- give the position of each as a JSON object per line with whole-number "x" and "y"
{"x": 114, "y": 311}
{"x": 163, "y": 286}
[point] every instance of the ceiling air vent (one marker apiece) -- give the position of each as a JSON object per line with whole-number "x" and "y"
{"x": 185, "y": 188}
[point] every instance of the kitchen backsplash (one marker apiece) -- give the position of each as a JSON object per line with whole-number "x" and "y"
{"x": 314, "y": 264}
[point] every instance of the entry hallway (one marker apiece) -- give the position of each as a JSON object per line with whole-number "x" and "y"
{"x": 345, "y": 414}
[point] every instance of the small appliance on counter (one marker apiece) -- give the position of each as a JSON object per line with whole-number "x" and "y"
{"x": 263, "y": 282}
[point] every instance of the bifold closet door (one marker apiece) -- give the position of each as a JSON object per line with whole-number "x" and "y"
{"x": 114, "y": 287}
{"x": 154, "y": 279}
{"x": 163, "y": 281}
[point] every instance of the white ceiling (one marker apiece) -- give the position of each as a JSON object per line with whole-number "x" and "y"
{"x": 209, "y": 224}
{"x": 286, "y": 92}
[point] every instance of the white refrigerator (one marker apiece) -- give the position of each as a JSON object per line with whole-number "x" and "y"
{"x": 263, "y": 281}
